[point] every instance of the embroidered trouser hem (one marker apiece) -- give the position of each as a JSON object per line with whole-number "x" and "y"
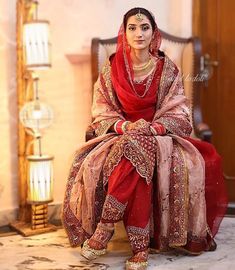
{"x": 129, "y": 198}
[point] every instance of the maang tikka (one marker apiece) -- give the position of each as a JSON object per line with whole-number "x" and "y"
{"x": 139, "y": 16}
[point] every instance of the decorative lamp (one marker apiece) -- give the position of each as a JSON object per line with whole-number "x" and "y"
{"x": 40, "y": 179}
{"x": 36, "y": 115}
{"x": 35, "y": 168}
{"x": 40, "y": 188}
{"x": 36, "y": 43}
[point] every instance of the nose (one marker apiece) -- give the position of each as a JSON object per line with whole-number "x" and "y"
{"x": 139, "y": 33}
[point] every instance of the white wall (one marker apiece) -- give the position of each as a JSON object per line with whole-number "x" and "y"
{"x": 8, "y": 107}
{"x": 67, "y": 88}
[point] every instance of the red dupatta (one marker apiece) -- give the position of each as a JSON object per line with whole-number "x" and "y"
{"x": 133, "y": 106}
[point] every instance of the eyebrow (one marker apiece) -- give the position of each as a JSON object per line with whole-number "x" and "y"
{"x": 140, "y": 24}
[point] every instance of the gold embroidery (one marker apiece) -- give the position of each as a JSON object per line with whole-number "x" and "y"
{"x": 138, "y": 237}
{"x": 176, "y": 125}
{"x": 113, "y": 210}
{"x": 139, "y": 149}
{"x": 107, "y": 88}
{"x": 178, "y": 198}
{"x": 103, "y": 126}
{"x": 170, "y": 69}
{"x": 72, "y": 225}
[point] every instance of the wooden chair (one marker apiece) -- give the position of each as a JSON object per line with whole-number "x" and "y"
{"x": 185, "y": 52}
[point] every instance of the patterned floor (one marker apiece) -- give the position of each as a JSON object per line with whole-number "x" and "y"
{"x": 51, "y": 251}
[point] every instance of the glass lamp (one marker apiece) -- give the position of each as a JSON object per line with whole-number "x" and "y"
{"x": 40, "y": 179}
{"x": 40, "y": 188}
{"x": 37, "y": 46}
{"x": 36, "y": 115}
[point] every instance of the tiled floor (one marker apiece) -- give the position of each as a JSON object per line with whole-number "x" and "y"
{"x": 52, "y": 252}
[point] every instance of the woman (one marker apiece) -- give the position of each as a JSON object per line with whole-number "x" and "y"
{"x": 142, "y": 168}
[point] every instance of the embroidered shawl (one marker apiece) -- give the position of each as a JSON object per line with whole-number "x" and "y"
{"x": 180, "y": 167}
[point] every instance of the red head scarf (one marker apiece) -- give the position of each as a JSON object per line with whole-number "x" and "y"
{"x": 134, "y": 106}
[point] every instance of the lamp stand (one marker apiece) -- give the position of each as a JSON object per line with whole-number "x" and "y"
{"x": 32, "y": 218}
{"x": 38, "y": 223}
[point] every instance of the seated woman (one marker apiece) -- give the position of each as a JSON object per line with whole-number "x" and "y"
{"x": 142, "y": 168}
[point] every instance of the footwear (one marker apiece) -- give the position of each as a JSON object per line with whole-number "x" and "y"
{"x": 91, "y": 253}
{"x": 138, "y": 262}
{"x": 97, "y": 244}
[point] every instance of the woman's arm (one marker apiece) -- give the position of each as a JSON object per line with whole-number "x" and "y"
{"x": 174, "y": 112}
{"x": 105, "y": 110}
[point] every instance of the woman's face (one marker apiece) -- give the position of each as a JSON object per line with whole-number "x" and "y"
{"x": 139, "y": 32}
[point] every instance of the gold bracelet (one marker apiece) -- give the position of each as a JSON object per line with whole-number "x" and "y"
{"x": 124, "y": 126}
{"x": 154, "y": 132}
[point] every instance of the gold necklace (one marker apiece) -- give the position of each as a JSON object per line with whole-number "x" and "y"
{"x": 149, "y": 82}
{"x": 143, "y": 67}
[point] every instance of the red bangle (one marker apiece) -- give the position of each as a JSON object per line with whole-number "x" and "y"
{"x": 160, "y": 129}
{"x": 115, "y": 125}
{"x": 118, "y": 126}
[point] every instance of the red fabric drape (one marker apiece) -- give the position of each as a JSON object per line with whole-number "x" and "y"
{"x": 135, "y": 107}
{"x": 122, "y": 76}
{"x": 215, "y": 190}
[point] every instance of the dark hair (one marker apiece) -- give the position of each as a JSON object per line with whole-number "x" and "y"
{"x": 136, "y": 10}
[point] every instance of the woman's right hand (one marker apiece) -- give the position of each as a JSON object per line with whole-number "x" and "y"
{"x": 140, "y": 126}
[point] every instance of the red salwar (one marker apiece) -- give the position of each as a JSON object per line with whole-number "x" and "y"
{"x": 129, "y": 198}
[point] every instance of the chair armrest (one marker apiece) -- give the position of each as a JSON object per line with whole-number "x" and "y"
{"x": 203, "y": 131}
{"x": 90, "y": 133}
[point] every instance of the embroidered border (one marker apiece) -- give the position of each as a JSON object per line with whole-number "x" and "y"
{"x": 169, "y": 72}
{"x": 139, "y": 149}
{"x": 103, "y": 126}
{"x": 178, "y": 198}
{"x": 100, "y": 196}
{"x": 139, "y": 238}
{"x": 113, "y": 210}
{"x": 107, "y": 87}
{"x": 72, "y": 225}
{"x": 176, "y": 125}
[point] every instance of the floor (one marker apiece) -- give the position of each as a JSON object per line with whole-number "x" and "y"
{"x": 51, "y": 251}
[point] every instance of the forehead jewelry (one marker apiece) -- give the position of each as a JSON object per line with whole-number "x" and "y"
{"x": 139, "y": 16}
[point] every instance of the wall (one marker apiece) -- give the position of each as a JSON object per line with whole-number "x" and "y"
{"x": 8, "y": 110}
{"x": 66, "y": 87}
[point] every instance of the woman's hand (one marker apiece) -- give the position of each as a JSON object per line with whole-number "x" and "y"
{"x": 140, "y": 126}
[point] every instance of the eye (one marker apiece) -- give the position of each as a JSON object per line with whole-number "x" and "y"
{"x": 145, "y": 27}
{"x": 131, "y": 28}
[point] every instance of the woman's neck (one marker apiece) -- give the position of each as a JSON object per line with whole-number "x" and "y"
{"x": 139, "y": 57}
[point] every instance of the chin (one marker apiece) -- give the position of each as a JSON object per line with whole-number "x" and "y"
{"x": 140, "y": 47}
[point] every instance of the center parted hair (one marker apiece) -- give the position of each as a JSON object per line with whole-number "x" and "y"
{"x": 137, "y": 10}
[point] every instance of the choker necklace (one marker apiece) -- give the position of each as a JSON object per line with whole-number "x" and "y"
{"x": 143, "y": 67}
